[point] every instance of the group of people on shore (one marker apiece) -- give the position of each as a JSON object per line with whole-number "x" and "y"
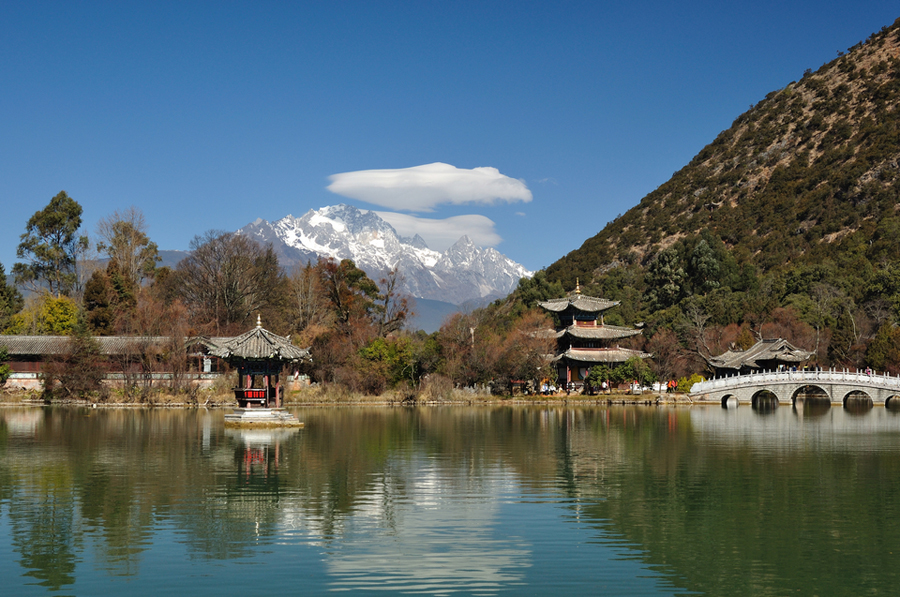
{"x": 548, "y": 388}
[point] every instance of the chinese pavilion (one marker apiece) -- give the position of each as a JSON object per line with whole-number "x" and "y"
{"x": 582, "y": 340}
{"x": 259, "y": 357}
{"x": 769, "y": 354}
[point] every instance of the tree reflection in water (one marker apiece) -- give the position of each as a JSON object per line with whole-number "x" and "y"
{"x": 467, "y": 499}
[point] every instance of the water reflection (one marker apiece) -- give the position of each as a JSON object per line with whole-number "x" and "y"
{"x": 812, "y": 407}
{"x": 441, "y": 500}
{"x": 858, "y": 403}
{"x": 436, "y": 540}
{"x": 258, "y": 451}
{"x": 764, "y": 402}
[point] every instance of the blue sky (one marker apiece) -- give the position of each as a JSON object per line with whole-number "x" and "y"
{"x": 208, "y": 115}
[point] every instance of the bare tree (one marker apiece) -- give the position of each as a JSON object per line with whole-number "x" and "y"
{"x": 825, "y": 303}
{"x": 694, "y": 325}
{"x": 227, "y": 278}
{"x": 123, "y": 237}
{"x": 880, "y": 311}
{"x": 669, "y": 358}
{"x": 307, "y": 306}
{"x": 394, "y": 307}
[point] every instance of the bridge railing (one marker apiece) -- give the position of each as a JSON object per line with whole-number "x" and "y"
{"x": 862, "y": 378}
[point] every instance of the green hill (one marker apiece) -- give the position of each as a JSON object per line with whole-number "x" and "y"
{"x": 800, "y": 192}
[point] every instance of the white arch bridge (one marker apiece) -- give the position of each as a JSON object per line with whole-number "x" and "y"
{"x": 787, "y": 387}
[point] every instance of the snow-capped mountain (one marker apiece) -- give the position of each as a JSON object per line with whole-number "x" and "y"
{"x": 462, "y": 273}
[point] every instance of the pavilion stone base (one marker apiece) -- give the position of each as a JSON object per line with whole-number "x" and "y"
{"x": 261, "y": 417}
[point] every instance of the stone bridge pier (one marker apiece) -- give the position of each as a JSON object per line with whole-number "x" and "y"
{"x": 787, "y": 387}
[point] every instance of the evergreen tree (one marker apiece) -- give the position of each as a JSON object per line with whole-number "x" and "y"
{"x": 11, "y": 301}
{"x": 5, "y": 369}
{"x": 538, "y": 288}
{"x": 704, "y": 270}
{"x": 665, "y": 279}
{"x": 51, "y": 246}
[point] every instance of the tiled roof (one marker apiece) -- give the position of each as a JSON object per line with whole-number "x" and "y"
{"x": 255, "y": 342}
{"x": 601, "y": 355}
{"x": 599, "y": 332}
{"x": 260, "y": 344}
{"x": 581, "y": 302}
{"x": 212, "y": 343}
{"x": 772, "y": 349}
{"x": 49, "y": 345}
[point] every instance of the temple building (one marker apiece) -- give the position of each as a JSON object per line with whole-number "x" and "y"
{"x": 583, "y": 341}
{"x": 260, "y": 358}
{"x": 771, "y": 354}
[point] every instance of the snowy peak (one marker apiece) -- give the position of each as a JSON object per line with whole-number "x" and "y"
{"x": 417, "y": 241}
{"x": 464, "y": 272}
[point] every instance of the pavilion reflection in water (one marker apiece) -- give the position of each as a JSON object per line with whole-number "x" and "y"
{"x": 259, "y": 451}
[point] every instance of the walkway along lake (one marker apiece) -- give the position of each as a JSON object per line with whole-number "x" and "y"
{"x": 481, "y": 500}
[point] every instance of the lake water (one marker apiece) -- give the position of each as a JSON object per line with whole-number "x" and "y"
{"x": 452, "y": 500}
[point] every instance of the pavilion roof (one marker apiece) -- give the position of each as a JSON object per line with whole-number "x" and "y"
{"x": 771, "y": 349}
{"x": 599, "y": 332}
{"x": 601, "y": 355}
{"x": 211, "y": 343}
{"x": 259, "y": 344}
{"x": 580, "y": 302}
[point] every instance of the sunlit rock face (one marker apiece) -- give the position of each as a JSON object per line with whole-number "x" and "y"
{"x": 463, "y": 273}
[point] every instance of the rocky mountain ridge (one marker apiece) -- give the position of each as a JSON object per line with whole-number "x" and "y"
{"x": 808, "y": 174}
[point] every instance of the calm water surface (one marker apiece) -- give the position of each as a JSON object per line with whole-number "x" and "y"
{"x": 453, "y": 500}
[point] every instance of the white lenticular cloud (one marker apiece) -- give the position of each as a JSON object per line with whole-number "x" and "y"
{"x": 421, "y": 188}
{"x": 441, "y": 234}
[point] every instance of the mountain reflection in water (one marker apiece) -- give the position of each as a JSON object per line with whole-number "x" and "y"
{"x": 471, "y": 500}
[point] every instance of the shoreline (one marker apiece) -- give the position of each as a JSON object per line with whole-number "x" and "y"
{"x": 339, "y": 398}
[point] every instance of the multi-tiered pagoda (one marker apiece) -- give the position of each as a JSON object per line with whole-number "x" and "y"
{"x": 584, "y": 340}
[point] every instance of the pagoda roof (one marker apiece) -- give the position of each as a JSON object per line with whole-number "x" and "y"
{"x": 259, "y": 344}
{"x": 601, "y": 355}
{"x": 597, "y": 332}
{"x": 771, "y": 349}
{"x": 580, "y": 302}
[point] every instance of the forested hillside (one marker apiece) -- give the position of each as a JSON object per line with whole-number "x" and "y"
{"x": 790, "y": 216}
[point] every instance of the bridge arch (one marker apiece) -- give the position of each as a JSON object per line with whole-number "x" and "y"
{"x": 732, "y": 401}
{"x": 857, "y": 402}
{"x": 764, "y": 401}
{"x": 892, "y": 402}
{"x": 810, "y": 393}
{"x": 810, "y": 401}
